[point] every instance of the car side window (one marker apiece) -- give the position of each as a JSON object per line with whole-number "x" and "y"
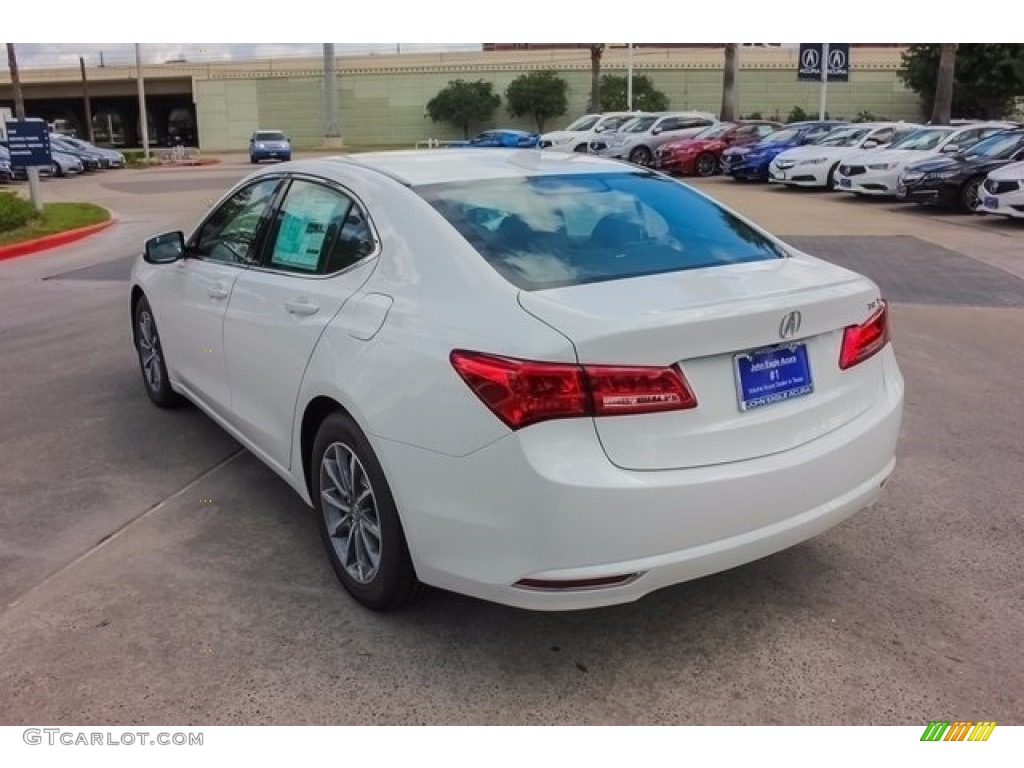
{"x": 883, "y": 136}
{"x": 670, "y": 124}
{"x": 765, "y": 130}
{"x": 318, "y": 230}
{"x": 230, "y": 234}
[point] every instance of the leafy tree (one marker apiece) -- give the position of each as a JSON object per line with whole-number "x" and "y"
{"x": 645, "y": 96}
{"x": 987, "y": 76}
{"x": 797, "y": 115}
{"x": 463, "y": 104}
{"x": 596, "y": 52}
{"x": 540, "y": 94}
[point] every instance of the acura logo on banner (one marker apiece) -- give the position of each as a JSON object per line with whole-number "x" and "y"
{"x": 809, "y": 64}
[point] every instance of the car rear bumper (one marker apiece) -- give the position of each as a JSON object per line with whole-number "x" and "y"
{"x": 546, "y": 504}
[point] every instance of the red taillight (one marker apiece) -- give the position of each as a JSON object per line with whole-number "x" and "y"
{"x": 862, "y": 341}
{"x": 523, "y": 392}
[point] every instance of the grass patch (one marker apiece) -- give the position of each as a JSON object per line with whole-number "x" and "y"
{"x": 56, "y": 217}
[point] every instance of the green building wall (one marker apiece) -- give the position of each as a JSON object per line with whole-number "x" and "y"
{"x": 388, "y": 108}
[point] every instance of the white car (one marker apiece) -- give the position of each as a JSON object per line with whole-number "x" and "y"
{"x": 638, "y": 139}
{"x": 1003, "y": 192}
{"x": 577, "y": 137}
{"x": 540, "y": 379}
{"x": 876, "y": 172}
{"x": 815, "y": 165}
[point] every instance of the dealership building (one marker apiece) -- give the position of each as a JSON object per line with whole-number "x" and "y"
{"x": 381, "y": 99}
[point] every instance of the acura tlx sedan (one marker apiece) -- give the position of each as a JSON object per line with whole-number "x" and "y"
{"x": 543, "y": 379}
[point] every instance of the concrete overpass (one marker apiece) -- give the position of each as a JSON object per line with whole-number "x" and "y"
{"x": 382, "y": 98}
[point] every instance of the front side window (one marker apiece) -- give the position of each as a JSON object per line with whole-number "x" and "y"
{"x": 638, "y": 125}
{"x": 318, "y": 230}
{"x": 552, "y": 231}
{"x": 230, "y": 234}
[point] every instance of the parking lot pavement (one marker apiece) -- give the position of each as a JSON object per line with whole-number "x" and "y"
{"x": 152, "y": 572}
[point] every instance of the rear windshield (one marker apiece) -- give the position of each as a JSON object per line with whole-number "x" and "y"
{"x": 553, "y": 231}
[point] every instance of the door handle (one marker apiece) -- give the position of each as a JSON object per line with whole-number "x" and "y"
{"x": 301, "y": 307}
{"x": 217, "y": 291}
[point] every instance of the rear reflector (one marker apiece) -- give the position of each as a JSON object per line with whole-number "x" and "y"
{"x": 523, "y": 392}
{"x": 557, "y": 585}
{"x": 862, "y": 341}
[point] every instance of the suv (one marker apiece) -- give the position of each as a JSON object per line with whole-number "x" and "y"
{"x": 269, "y": 145}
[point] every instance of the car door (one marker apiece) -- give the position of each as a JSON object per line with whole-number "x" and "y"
{"x": 319, "y": 250}
{"x": 196, "y": 291}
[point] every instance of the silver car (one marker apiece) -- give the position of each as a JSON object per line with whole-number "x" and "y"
{"x": 637, "y": 140}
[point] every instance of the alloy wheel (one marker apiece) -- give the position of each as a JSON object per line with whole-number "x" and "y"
{"x": 350, "y": 512}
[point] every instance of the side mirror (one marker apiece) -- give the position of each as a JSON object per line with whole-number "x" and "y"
{"x": 870, "y": 144}
{"x": 950, "y": 149}
{"x": 165, "y": 249}
{"x": 656, "y": 130}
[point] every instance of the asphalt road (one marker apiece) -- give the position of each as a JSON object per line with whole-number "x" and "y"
{"x": 152, "y": 572}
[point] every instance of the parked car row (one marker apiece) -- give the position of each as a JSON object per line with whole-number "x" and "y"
{"x": 972, "y": 166}
{"x": 68, "y": 157}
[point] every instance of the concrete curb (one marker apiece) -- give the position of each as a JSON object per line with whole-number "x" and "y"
{"x": 51, "y": 241}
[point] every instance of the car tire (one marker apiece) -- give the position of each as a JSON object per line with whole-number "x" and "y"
{"x": 358, "y": 519}
{"x": 253, "y": 160}
{"x": 830, "y": 180}
{"x": 57, "y": 171}
{"x": 151, "y": 358}
{"x": 970, "y": 201}
{"x": 706, "y": 164}
{"x": 640, "y": 156}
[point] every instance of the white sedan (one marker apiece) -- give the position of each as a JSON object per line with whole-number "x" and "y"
{"x": 876, "y": 172}
{"x": 577, "y": 136}
{"x": 815, "y": 165}
{"x": 543, "y": 379}
{"x": 1002, "y": 192}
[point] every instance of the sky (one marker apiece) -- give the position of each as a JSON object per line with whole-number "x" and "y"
{"x": 34, "y": 55}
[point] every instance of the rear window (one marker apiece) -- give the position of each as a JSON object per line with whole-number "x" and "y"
{"x": 553, "y": 231}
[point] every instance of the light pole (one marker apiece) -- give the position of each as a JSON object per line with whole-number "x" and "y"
{"x": 629, "y": 77}
{"x": 143, "y": 116}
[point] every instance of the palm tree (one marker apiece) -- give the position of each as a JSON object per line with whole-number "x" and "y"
{"x": 596, "y": 52}
{"x": 729, "y": 71}
{"x": 943, "y": 106}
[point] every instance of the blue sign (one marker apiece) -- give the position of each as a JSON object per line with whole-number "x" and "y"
{"x": 28, "y": 141}
{"x": 811, "y": 55}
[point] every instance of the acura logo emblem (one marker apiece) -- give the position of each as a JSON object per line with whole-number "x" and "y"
{"x": 790, "y": 325}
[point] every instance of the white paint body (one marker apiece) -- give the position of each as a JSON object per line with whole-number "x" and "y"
{"x": 669, "y": 496}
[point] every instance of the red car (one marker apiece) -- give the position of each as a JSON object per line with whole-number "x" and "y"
{"x": 700, "y": 154}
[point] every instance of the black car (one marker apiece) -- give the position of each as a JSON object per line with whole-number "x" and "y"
{"x": 953, "y": 181}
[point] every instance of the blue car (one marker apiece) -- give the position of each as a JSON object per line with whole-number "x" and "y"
{"x": 750, "y": 162}
{"x": 501, "y": 137}
{"x": 269, "y": 145}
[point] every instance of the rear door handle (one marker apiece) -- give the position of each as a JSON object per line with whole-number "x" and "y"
{"x": 301, "y": 307}
{"x": 217, "y": 291}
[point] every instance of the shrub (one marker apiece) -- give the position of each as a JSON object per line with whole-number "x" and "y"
{"x": 14, "y": 211}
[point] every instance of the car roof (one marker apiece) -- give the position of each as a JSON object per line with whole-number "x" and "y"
{"x": 416, "y": 167}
